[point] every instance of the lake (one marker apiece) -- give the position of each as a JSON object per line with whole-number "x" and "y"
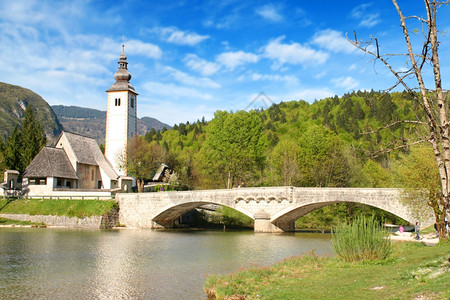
{"x": 52, "y": 263}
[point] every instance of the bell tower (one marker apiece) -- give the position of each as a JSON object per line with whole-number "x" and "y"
{"x": 121, "y": 115}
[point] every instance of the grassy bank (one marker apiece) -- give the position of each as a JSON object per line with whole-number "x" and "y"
{"x": 413, "y": 271}
{"x": 70, "y": 208}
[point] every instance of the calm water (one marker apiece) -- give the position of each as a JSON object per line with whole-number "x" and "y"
{"x": 139, "y": 264}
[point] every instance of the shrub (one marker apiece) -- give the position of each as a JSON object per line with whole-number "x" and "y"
{"x": 363, "y": 239}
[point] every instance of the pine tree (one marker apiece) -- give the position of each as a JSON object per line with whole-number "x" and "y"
{"x": 33, "y": 138}
{"x": 11, "y": 152}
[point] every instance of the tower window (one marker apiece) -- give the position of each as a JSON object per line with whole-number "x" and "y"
{"x": 117, "y": 102}
{"x": 132, "y": 102}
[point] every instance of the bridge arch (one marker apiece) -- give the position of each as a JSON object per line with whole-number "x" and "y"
{"x": 168, "y": 214}
{"x": 292, "y": 214}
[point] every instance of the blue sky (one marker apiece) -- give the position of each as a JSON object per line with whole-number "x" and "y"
{"x": 191, "y": 58}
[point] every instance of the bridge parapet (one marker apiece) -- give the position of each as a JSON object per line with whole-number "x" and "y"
{"x": 273, "y": 208}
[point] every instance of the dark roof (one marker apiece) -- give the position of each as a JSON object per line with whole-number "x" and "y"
{"x": 120, "y": 86}
{"x": 81, "y": 148}
{"x": 51, "y": 162}
{"x": 87, "y": 152}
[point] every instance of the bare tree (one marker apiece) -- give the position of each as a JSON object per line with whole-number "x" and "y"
{"x": 433, "y": 101}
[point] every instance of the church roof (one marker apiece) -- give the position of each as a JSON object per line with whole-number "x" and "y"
{"x": 51, "y": 162}
{"x": 86, "y": 151}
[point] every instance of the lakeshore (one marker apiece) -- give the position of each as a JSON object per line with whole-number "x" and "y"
{"x": 414, "y": 271}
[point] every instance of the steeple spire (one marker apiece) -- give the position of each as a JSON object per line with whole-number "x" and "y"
{"x": 122, "y": 75}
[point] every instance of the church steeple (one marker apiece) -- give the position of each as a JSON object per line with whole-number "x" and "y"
{"x": 122, "y": 75}
{"x": 121, "y": 116}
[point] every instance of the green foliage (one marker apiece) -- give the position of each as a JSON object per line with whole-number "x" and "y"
{"x": 330, "y": 216}
{"x": 33, "y": 138}
{"x": 284, "y": 163}
{"x": 234, "y": 150}
{"x": 142, "y": 159}
{"x": 12, "y": 151}
{"x": 24, "y": 143}
{"x": 417, "y": 172}
{"x": 363, "y": 239}
{"x": 233, "y": 218}
{"x": 322, "y": 160}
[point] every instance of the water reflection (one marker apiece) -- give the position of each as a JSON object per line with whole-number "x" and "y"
{"x": 142, "y": 264}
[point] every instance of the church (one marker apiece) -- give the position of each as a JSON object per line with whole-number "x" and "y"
{"x": 75, "y": 166}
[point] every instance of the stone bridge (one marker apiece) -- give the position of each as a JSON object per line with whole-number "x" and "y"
{"x": 274, "y": 209}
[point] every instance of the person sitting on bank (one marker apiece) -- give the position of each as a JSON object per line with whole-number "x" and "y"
{"x": 417, "y": 229}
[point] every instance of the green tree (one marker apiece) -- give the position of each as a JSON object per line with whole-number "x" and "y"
{"x": 33, "y": 137}
{"x": 142, "y": 160}
{"x": 234, "y": 149}
{"x": 2, "y": 159}
{"x": 283, "y": 163}
{"x": 12, "y": 151}
{"x": 375, "y": 175}
{"x": 417, "y": 173}
{"x": 322, "y": 158}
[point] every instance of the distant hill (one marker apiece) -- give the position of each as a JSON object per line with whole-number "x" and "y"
{"x": 13, "y": 102}
{"x": 92, "y": 122}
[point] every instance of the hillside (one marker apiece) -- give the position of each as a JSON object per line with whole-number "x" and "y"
{"x": 92, "y": 122}
{"x": 13, "y": 102}
{"x": 303, "y": 144}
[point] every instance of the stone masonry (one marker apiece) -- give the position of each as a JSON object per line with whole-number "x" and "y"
{"x": 274, "y": 209}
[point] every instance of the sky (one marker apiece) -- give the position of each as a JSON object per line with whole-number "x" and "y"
{"x": 189, "y": 59}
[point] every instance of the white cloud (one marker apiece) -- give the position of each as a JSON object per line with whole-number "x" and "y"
{"x": 366, "y": 18}
{"x": 293, "y": 53}
{"x": 190, "y": 80}
{"x": 234, "y": 59}
{"x": 270, "y": 12}
{"x": 179, "y": 37}
{"x": 288, "y": 79}
{"x": 202, "y": 66}
{"x": 333, "y": 41}
{"x": 310, "y": 94}
{"x": 348, "y": 83}
{"x": 141, "y": 48}
{"x": 173, "y": 91}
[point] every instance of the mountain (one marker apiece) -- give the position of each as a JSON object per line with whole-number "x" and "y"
{"x": 13, "y": 102}
{"x": 92, "y": 122}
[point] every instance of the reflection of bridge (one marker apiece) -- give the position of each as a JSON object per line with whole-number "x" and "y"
{"x": 274, "y": 209}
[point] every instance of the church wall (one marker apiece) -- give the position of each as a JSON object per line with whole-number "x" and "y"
{"x": 87, "y": 176}
{"x": 63, "y": 142}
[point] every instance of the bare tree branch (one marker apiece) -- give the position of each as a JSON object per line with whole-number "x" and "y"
{"x": 392, "y": 124}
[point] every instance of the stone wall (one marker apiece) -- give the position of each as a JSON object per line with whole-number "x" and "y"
{"x": 107, "y": 221}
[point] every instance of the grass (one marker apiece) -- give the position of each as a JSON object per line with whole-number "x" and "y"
{"x": 70, "y": 208}
{"x": 363, "y": 239}
{"x": 414, "y": 270}
{"x": 4, "y": 221}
